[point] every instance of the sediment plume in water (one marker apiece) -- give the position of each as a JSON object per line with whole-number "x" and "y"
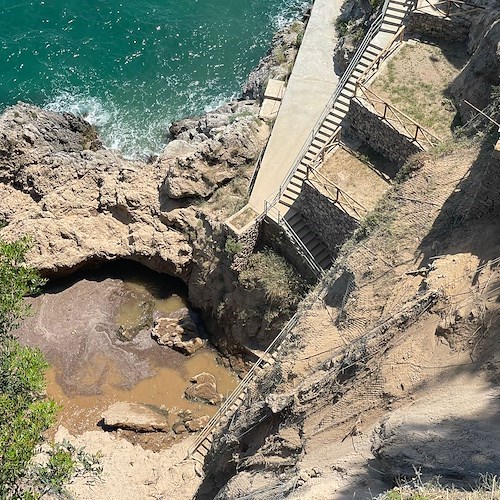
{"x": 77, "y": 323}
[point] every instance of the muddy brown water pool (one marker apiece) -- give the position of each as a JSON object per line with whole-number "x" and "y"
{"x": 81, "y": 325}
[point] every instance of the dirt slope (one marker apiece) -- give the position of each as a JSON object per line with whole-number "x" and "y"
{"x": 417, "y": 302}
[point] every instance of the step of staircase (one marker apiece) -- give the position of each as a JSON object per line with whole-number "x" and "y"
{"x": 396, "y": 15}
{"x": 311, "y": 241}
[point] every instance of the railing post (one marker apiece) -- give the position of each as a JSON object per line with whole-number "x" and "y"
{"x": 416, "y": 132}
{"x": 385, "y": 109}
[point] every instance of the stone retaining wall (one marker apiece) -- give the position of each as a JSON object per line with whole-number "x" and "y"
{"x": 451, "y": 29}
{"x": 331, "y": 224}
{"x": 243, "y": 243}
{"x": 381, "y": 136}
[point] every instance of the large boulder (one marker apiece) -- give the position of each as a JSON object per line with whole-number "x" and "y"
{"x": 135, "y": 417}
{"x": 178, "y": 331}
{"x": 204, "y": 389}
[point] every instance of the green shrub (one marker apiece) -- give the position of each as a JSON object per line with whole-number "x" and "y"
{"x": 64, "y": 462}
{"x": 232, "y": 246}
{"x": 381, "y": 217}
{"x": 342, "y": 27}
{"x": 279, "y": 55}
{"x": 270, "y": 271}
{"x": 300, "y": 37}
{"x": 16, "y": 281}
{"x": 25, "y": 412}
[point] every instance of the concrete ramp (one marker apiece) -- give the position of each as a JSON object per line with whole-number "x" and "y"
{"x": 311, "y": 85}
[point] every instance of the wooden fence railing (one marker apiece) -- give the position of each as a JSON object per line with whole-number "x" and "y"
{"x": 399, "y": 120}
{"x": 337, "y": 195}
{"x": 449, "y": 8}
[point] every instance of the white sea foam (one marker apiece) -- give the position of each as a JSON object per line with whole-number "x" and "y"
{"x": 289, "y": 12}
{"x": 139, "y": 132}
{"x": 135, "y": 136}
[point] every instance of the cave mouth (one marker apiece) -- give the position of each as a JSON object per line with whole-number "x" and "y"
{"x": 141, "y": 295}
{"x": 158, "y": 284}
{"x": 94, "y": 327}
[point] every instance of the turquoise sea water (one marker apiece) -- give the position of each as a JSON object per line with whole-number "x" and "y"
{"x": 133, "y": 66}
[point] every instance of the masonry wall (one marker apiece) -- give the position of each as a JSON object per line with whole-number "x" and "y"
{"x": 245, "y": 243}
{"x": 331, "y": 224}
{"x": 378, "y": 134}
{"x": 451, "y": 29}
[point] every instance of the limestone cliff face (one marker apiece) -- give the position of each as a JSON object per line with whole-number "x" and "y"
{"x": 229, "y": 137}
{"x": 482, "y": 72}
{"x": 78, "y": 202}
{"x": 82, "y": 204}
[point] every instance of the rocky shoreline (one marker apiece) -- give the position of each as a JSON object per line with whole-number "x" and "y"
{"x": 83, "y": 205}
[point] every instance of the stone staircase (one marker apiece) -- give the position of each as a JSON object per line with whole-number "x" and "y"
{"x": 382, "y": 36}
{"x": 280, "y": 207}
{"x": 315, "y": 247}
{"x": 203, "y": 441}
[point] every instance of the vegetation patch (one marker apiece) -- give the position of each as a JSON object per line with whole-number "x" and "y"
{"x": 232, "y": 246}
{"x": 244, "y": 217}
{"x": 25, "y": 412}
{"x": 230, "y": 198}
{"x": 487, "y": 488}
{"x": 269, "y": 271}
{"x": 415, "y": 81}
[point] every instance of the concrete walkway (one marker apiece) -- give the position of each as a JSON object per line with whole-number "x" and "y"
{"x": 312, "y": 83}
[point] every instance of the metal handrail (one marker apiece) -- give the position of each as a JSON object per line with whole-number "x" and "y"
{"x": 242, "y": 386}
{"x": 217, "y": 417}
{"x": 299, "y": 244}
{"x": 327, "y": 109}
{"x": 257, "y": 168}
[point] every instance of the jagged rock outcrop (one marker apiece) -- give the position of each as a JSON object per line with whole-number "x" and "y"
{"x": 204, "y": 389}
{"x": 178, "y": 331}
{"x": 480, "y": 75}
{"x": 229, "y": 137}
{"x": 80, "y": 203}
